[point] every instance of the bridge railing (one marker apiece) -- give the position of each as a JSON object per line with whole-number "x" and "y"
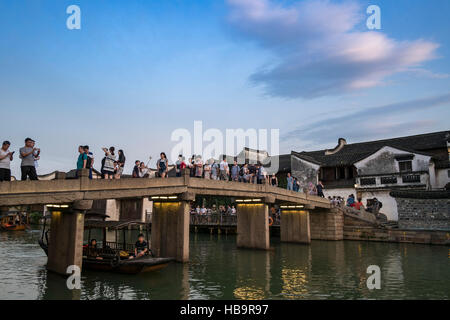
{"x": 217, "y": 219}
{"x": 213, "y": 219}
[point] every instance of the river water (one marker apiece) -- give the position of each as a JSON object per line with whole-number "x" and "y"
{"x": 218, "y": 270}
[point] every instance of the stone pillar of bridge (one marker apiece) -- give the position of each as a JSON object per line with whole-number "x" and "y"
{"x": 170, "y": 228}
{"x": 327, "y": 224}
{"x": 295, "y": 226}
{"x": 66, "y": 236}
{"x": 253, "y": 225}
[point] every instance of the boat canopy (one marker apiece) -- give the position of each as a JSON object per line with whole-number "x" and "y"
{"x": 9, "y": 214}
{"x": 114, "y": 225}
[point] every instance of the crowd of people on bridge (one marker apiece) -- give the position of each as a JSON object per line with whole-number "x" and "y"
{"x": 222, "y": 209}
{"x": 112, "y": 167}
{"x": 222, "y": 170}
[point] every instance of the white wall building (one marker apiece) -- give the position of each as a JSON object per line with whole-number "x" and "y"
{"x": 375, "y": 168}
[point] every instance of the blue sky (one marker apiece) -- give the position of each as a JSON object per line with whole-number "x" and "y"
{"x": 139, "y": 69}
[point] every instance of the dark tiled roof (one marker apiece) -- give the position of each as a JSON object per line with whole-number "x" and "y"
{"x": 351, "y": 153}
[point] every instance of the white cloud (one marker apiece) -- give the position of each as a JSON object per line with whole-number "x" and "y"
{"x": 319, "y": 50}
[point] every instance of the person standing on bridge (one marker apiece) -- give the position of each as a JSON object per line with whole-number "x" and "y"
{"x": 108, "y": 167}
{"x": 319, "y": 188}
{"x": 252, "y": 173}
{"x": 296, "y": 186}
{"x": 260, "y": 174}
{"x": 120, "y": 165}
{"x": 180, "y": 165}
{"x": 207, "y": 169}
{"x": 5, "y": 160}
{"x": 198, "y": 167}
{"x": 90, "y": 160}
{"x": 162, "y": 165}
{"x": 235, "y": 171}
{"x": 224, "y": 169}
{"x": 245, "y": 174}
{"x": 191, "y": 166}
{"x": 27, "y": 154}
{"x": 214, "y": 170}
{"x": 82, "y": 160}
{"x": 290, "y": 182}
{"x": 274, "y": 181}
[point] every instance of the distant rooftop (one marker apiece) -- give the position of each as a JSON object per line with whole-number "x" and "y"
{"x": 428, "y": 143}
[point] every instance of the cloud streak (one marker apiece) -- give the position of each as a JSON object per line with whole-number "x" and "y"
{"x": 370, "y": 122}
{"x": 318, "y": 50}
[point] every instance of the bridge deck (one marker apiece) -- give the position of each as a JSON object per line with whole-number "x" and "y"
{"x": 67, "y": 191}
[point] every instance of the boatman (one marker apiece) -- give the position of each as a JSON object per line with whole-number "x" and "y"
{"x": 141, "y": 247}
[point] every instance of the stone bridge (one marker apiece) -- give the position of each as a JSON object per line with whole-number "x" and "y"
{"x": 68, "y": 200}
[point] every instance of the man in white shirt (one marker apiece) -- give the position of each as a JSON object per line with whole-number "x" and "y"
{"x": 5, "y": 160}
{"x": 224, "y": 169}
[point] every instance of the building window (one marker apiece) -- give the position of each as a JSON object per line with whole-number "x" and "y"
{"x": 412, "y": 178}
{"x": 368, "y": 181}
{"x": 388, "y": 180}
{"x": 448, "y": 173}
{"x": 405, "y": 166}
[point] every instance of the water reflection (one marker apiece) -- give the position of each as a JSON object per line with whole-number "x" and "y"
{"x": 218, "y": 270}
{"x": 253, "y": 274}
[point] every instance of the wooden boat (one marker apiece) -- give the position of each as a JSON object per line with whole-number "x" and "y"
{"x": 13, "y": 222}
{"x": 112, "y": 256}
{"x": 133, "y": 266}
